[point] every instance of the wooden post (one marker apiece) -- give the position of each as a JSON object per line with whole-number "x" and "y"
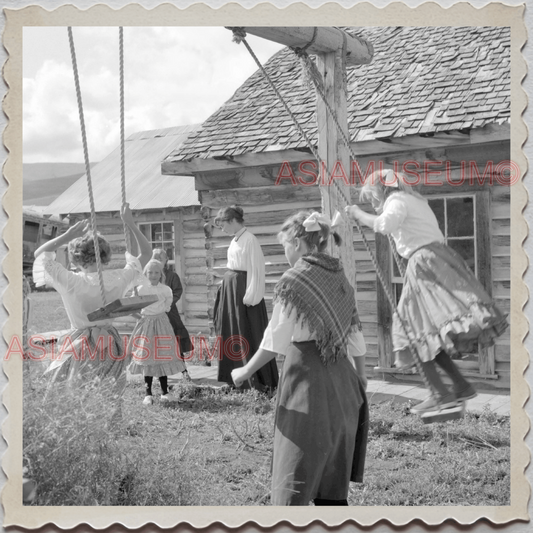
{"x": 333, "y": 151}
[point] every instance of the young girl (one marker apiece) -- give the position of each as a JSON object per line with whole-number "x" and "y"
{"x": 153, "y": 345}
{"x": 173, "y": 281}
{"x": 322, "y": 413}
{"x": 240, "y": 310}
{"x": 442, "y": 303}
{"x": 80, "y": 292}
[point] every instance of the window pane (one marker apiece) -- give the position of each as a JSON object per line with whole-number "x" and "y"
{"x": 438, "y": 208}
{"x": 31, "y": 231}
{"x": 157, "y": 234}
{"x": 168, "y": 231}
{"x": 145, "y": 230}
{"x": 465, "y": 247}
{"x": 460, "y": 217}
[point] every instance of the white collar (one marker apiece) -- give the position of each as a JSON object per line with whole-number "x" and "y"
{"x": 238, "y": 235}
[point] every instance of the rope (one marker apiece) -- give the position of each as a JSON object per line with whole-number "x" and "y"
{"x": 240, "y": 36}
{"x": 87, "y": 166}
{"x": 122, "y": 149}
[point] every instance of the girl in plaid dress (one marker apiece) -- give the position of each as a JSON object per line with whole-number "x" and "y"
{"x": 321, "y": 414}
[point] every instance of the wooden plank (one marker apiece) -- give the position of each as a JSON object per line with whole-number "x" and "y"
{"x": 483, "y": 241}
{"x": 320, "y": 40}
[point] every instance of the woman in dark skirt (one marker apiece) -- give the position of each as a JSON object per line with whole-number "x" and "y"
{"x": 240, "y": 314}
{"x": 321, "y": 425}
{"x": 444, "y": 306}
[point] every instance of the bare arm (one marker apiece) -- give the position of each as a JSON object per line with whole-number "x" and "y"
{"x": 356, "y": 213}
{"x": 78, "y": 230}
{"x": 261, "y": 358}
{"x": 144, "y": 246}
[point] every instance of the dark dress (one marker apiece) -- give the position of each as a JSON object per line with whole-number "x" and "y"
{"x": 245, "y": 326}
{"x": 321, "y": 428}
{"x": 174, "y": 282}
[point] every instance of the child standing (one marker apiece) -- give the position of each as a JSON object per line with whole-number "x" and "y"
{"x": 173, "y": 281}
{"x": 443, "y": 305}
{"x": 322, "y": 412}
{"x": 153, "y": 345}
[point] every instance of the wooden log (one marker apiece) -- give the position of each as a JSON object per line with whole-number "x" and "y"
{"x": 321, "y": 40}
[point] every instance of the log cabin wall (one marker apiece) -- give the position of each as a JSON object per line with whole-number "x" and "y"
{"x": 267, "y": 205}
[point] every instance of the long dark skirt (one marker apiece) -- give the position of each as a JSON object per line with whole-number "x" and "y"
{"x": 321, "y": 428}
{"x": 180, "y": 330}
{"x": 240, "y": 329}
{"x": 445, "y": 307}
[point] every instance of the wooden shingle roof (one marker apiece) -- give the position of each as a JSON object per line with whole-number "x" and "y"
{"x": 421, "y": 81}
{"x": 146, "y": 188}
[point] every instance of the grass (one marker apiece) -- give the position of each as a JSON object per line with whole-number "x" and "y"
{"x": 214, "y": 446}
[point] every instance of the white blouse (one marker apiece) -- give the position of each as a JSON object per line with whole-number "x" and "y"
{"x": 164, "y": 298}
{"x": 410, "y": 221}
{"x": 284, "y": 328}
{"x": 80, "y": 291}
{"x": 244, "y": 253}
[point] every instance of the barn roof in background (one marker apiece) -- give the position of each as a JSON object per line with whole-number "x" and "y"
{"x": 146, "y": 188}
{"x": 422, "y": 80}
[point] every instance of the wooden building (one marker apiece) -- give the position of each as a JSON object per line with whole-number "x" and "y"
{"x": 434, "y": 99}
{"x": 167, "y": 210}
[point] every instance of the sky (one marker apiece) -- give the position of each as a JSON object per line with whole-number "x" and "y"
{"x": 173, "y": 76}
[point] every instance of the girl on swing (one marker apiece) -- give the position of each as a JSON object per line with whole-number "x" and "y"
{"x": 321, "y": 422}
{"x": 443, "y": 305}
{"x": 80, "y": 292}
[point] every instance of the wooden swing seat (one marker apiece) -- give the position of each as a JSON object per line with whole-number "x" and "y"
{"x": 121, "y": 307}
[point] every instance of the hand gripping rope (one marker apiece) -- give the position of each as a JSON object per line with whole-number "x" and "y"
{"x": 239, "y": 35}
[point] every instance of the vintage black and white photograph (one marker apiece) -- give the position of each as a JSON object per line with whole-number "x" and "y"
{"x": 270, "y": 266}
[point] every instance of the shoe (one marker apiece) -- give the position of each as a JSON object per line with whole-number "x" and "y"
{"x": 165, "y": 398}
{"x": 186, "y": 375}
{"x": 431, "y": 404}
{"x": 466, "y": 394}
{"x": 148, "y": 400}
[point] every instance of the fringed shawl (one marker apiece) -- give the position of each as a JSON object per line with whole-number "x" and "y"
{"x": 323, "y": 298}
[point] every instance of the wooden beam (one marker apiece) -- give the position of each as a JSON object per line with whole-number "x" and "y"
{"x": 323, "y": 39}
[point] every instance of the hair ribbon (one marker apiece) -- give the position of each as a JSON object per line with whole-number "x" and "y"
{"x": 390, "y": 179}
{"x": 313, "y": 221}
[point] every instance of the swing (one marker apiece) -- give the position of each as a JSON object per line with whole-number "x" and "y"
{"x": 126, "y": 305}
{"x": 439, "y": 415}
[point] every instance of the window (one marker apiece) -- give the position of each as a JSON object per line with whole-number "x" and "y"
{"x": 161, "y": 235}
{"x": 457, "y": 221}
{"x": 31, "y": 231}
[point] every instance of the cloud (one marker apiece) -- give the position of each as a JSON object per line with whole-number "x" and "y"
{"x": 173, "y": 76}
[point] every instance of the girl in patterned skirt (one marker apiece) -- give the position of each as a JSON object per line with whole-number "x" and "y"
{"x": 153, "y": 345}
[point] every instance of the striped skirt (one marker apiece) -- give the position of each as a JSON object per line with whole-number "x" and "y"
{"x": 444, "y": 307}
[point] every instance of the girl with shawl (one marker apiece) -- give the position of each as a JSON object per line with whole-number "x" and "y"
{"x": 92, "y": 349}
{"x": 240, "y": 314}
{"x": 321, "y": 423}
{"x": 442, "y": 303}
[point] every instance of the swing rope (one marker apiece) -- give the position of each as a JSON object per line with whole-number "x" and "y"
{"x": 122, "y": 143}
{"x": 87, "y": 167}
{"x": 239, "y": 35}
